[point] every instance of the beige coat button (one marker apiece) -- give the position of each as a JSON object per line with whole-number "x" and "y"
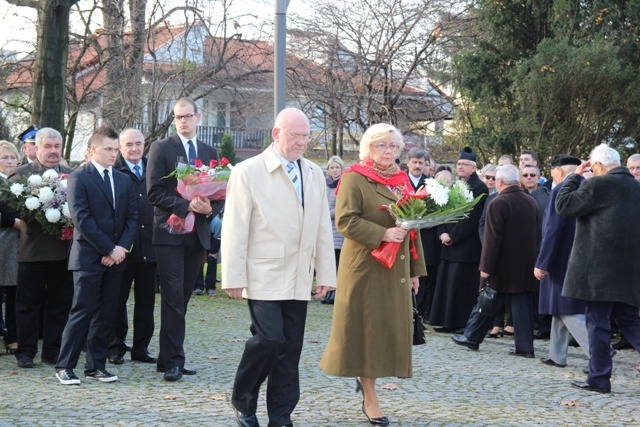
{"x": 401, "y": 256}
{"x": 402, "y": 280}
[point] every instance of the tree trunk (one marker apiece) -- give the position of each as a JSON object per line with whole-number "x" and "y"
{"x": 49, "y": 74}
{"x": 113, "y": 107}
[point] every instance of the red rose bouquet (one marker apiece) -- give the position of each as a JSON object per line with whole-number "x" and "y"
{"x": 209, "y": 182}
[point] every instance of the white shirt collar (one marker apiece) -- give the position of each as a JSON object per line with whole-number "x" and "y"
{"x": 101, "y": 169}
{"x": 132, "y": 165}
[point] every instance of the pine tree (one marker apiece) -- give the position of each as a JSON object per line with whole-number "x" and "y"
{"x": 226, "y": 148}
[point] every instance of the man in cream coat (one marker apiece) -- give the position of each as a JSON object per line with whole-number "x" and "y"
{"x": 277, "y": 232}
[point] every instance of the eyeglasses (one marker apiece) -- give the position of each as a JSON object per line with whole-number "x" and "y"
{"x": 297, "y": 136}
{"x": 489, "y": 177}
{"x": 184, "y": 117}
{"x": 529, "y": 175}
{"x": 385, "y": 147}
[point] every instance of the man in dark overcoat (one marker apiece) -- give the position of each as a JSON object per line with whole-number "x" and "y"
{"x": 457, "y": 281}
{"x": 508, "y": 257}
{"x": 417, "y": 158}
{"x": 551, "y": 267}
{"x": 43, "y": 277}
{"x": 603, "y": 267}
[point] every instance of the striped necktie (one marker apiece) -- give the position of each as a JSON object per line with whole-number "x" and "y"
{"x": 293, "y": 176}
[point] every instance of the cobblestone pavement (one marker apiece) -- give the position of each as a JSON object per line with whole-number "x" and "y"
{"x": 452, "y": 386}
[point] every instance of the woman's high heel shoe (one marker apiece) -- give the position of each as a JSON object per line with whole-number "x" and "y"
{"x": 10, "y": 350}
{"x": 496, "y": 335}
{"x": 380, "y": 421}
{"x": 507, "y": 333}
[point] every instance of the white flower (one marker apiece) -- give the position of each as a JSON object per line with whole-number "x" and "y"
{"x": 17, "y": 189}
{"x": 211, "y": 172}
{"x": 35, "y": 180}
{"x": 50, "y": 175}
{"x": 45, "y": 195}
{"x": 62, "y": 183}
{"x": 65, "y": 210}
{"x": 464, "y": 190}
{"x": 53, "y": 215}
{"x": 440, "y": 195}
{"x": 32, "y": 203}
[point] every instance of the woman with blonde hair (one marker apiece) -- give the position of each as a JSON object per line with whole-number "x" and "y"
{"x": 335, "y": 168}
{"x": 373, "y": 307}
{"x": 9, "y": 243}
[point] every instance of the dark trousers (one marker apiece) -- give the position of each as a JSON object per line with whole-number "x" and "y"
{"x": 92, "y": 313}
{"x": 522, "y": 312}
{"x": 143, "y": 274}
{"x": 598, "y": 315}
{"x": 424, "y": 297}
{"x": 273, "y": 352}
{"x": 212, "y": 266}
{"x": 9, "y": 313}
{"x": 51, "y": 283}
{"x": 178, "y": 268}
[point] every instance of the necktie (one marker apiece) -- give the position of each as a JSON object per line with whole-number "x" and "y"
{"x": 192, "y": 152}
{"x": 107, "y": 181}
{"x": 293, "y": 176}
{"x": 136, "y": 169}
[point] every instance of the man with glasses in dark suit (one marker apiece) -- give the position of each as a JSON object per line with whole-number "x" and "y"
{"x": 179, "y": 256}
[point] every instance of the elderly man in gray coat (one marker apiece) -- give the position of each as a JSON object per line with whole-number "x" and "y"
{"x": 603, "y": 266}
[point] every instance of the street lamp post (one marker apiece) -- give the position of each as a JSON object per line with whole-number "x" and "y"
{"x": 280, "y": 49}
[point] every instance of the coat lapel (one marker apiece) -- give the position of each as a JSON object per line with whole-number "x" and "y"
{"x": 95, "y": 176}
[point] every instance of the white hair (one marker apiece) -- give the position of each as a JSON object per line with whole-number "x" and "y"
{"x": 605, "y": 155}
{"x": 508, "y": 174}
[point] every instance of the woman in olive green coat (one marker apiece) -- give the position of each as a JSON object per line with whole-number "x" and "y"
{"x": 371, "y": 335}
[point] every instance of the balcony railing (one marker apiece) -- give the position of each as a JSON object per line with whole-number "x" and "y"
{"x": 212, "y": 135}
{"x": 242, "y": 138}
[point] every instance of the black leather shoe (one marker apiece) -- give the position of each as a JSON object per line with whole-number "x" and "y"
{"x": 549, "y": 361}
{"x": 246, "y": 420}
{"x": 173, "y": 374}
{"x": 116, "y": 359}
{"x": 147, "y": 358}
{"x": 25, "y": 362}
{"x": 514, "y": 352}
{"x": 183, "y": 371}
{"x": 127, "y": 346}
{"x": 444, "y": 330}
{"x": 463, "y": 341}
{"x": 583, "y": 385}
{"x": 623, "y": 344}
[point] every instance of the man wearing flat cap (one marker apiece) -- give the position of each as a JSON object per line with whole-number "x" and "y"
{"x": 28, "y": 141}
{"x": 458, "y": 275}
{"x": 551, "y": 267}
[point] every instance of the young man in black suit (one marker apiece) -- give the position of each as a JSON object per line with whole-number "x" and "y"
{"x": 179, "y": 256}
{"x": 102, "y": 202}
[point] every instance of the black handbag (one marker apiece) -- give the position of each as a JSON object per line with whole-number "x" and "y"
{"x": 487, "y": 300}
{"x": 418, "y": 327}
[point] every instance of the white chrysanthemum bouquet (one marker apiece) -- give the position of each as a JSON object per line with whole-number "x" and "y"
{"x": 42, "y": 198}
{"x": 431, "y": 205}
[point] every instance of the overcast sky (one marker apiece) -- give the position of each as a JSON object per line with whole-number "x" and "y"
{"x": 18, "y": 30}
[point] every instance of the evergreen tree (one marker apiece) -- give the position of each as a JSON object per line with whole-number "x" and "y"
{"x": 227, "y": 149}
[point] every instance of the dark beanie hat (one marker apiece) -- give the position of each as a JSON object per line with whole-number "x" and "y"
{"x": 467, "y": 153}
{"x": 564, "y": 159}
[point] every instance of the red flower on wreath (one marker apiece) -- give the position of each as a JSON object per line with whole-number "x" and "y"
{"x": 213, "y": 163}
{"x": 197, "y": 163}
